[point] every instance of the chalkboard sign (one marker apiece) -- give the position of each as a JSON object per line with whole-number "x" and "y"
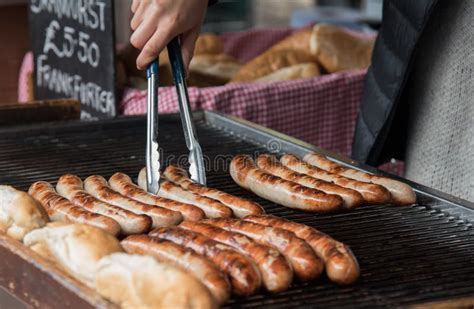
{"x": 74, "y": 53}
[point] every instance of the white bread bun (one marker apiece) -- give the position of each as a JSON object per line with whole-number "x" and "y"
{"x": 141, "y": 180}
{"x": 220, "y": 66}
{"x": 303, "y": 70}
{"x": 338, "y": 50}
{"x": 75, "y": 248}
{"x": 300, "y": 40}
{"x": 208, "y": 43}
{"x": 136, "y": 281}
{"x": 271, "y": 61}
{"x": 19, "y": 213}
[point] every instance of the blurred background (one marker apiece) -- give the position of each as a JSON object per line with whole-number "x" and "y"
{"x": 227, "y": 15}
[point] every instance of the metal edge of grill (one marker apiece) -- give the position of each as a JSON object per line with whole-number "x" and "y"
{"x": 258, "y": 134}
{"x": 292, "y": 145}
{"x": 435, "y": 202}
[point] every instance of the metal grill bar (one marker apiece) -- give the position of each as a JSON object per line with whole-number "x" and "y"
{"x": 407, "y": 255}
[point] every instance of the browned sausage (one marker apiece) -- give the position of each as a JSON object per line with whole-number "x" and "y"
{"x": 341, "y": 265}
{"x": 271, "y": 165}
{"x": 124, "y": 185}
{"x": 177, "y": 255}
{"x": 372, "y": 193}
{"x": 306, "y": 264}
{"x": 71, "y": 187}
{"x": 402, "y": 194}
{"x": 274, "y": 268}
{"x": 246, "y": 174}
{"x": 98, "y": 187}
{"x": 241, "y": 207}
{"x": 243, "y": 274}
{"x": 211, "y": 207}
{"x": 60, "y": 209}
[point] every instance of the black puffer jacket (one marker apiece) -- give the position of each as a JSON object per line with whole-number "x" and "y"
{"x": 380, "y": 128}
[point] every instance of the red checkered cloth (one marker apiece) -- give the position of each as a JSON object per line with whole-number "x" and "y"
{"x": 245, "y": 45}
{"x": 320, "y": 110}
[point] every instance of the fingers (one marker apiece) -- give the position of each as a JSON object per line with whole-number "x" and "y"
{"x": 188, "y": 41}
{"x": 139, "y": 15}
{"x": 135, "y": 4}
{"x": 145, "y": 31}
{"x": 155, "y": 22}
{"x": 154, "y": 46}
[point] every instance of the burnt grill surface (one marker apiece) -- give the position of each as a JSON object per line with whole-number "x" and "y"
{"x": 407, "y": 255}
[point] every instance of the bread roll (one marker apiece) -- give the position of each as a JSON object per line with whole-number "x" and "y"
{"x": 338, "y": 50}
{"x": 212, "y": 70}
{"x": 136, "y": 281}
{"x": 208, "y": 43}
{"x": 299, "y": 40}
{"x": 136, "y": 78}
{"x": 304, "y": 70}
{"x": 270, "y": 62}
{"x": 75, "y": 248}
{"x": 19, "y": 213}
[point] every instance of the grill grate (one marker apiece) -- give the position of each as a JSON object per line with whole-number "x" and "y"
{"x": 407, "y": 255}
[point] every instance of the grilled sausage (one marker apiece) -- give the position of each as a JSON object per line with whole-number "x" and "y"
{"x": 372, "y": 193}
{"x": 402, "y": 194}
{"x": 274, "y": 268}
{"x": 243, "y": 274}
{"x": 124, "y": 185}
{"x": 211, "y": 207}
{"x": 186, "y": 259}
{"x": 306, "y": 264}
{"x": 60, "y": 209}
{"x": 241, "y": 207}
{"x": 341, "y": 265}
{"x": 98, "y": 187}
{"x": 271, "y": 165}
{"x": 71, "y": 187}
{"x": 245, "y": 173}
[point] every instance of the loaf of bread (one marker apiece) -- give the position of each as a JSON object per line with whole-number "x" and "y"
{"x": 135, "y": 78}
{"x": 212, "y": 69}
{"x": 136, "y": 281}
{"x": 208, "y": 43}
{"x": 338, "y": 50}
{"x": 299, "y": 40}
{"x": 74, "y": 248}
{"x": 128, "y": 54}
{"x": 272, "y": 61}
{"x": 19, "y": 213}
{"x": 297, "y": 71}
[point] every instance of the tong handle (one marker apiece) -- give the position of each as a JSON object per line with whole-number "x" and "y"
{"x": 152, "y": 100}
{"x": 152, "y": 153}
{"x": 152, "y": 68}
{"x": 176, "y": 59}
{"x": 195, "y": 158}
{"x": 177, "y": 67}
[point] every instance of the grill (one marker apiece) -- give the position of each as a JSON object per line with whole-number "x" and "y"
{"x": 408, "y": 255}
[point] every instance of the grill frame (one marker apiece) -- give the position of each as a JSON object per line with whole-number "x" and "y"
{"x": 451, "y": 211}
{"x": 463, "y": 208}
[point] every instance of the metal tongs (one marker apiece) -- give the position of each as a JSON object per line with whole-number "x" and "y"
{"x": 153, "y": 158}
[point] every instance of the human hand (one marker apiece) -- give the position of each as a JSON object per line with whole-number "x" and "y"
{"x": 156, "y": 22}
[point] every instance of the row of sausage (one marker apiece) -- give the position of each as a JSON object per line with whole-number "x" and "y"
{"x": 257, "y": 251}
{"x": 315, "y": 183}
{"x": 121, "y": 207}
